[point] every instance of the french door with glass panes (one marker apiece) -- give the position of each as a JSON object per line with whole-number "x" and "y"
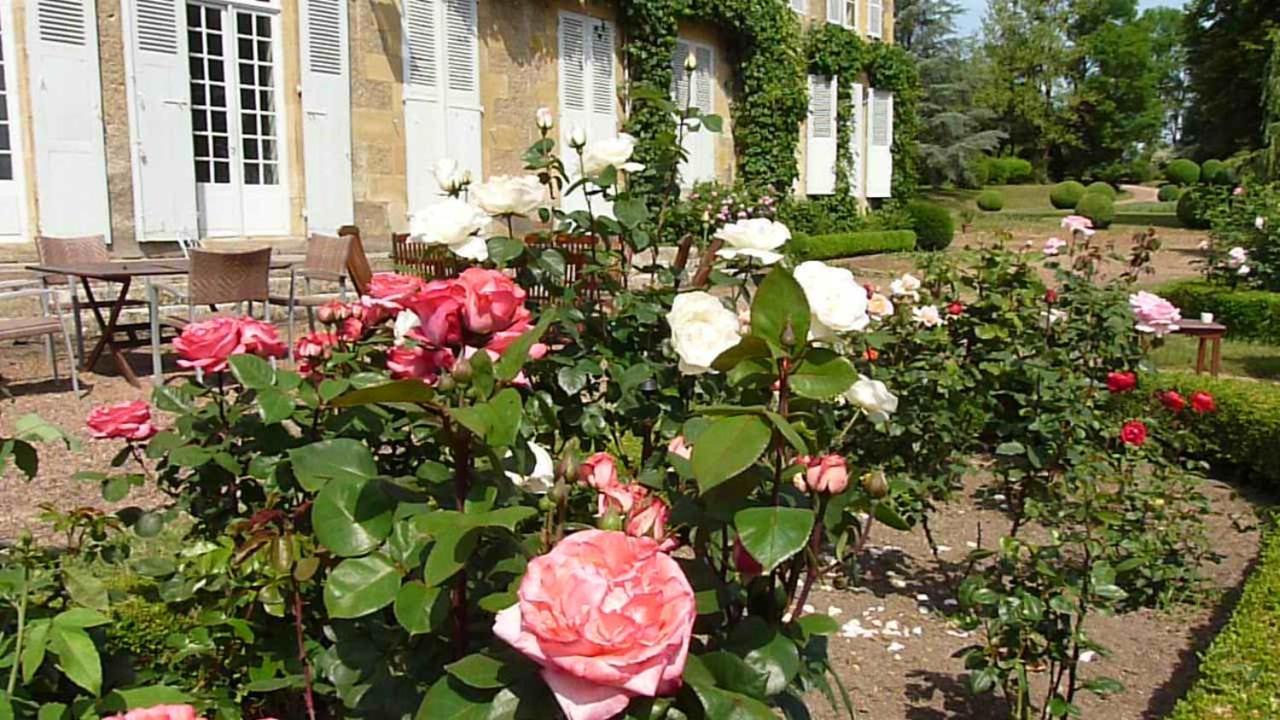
{"x": 237, "y": 121}
{"x": 13, "y": 209}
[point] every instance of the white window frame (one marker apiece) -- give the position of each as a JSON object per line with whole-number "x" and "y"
{"x": 800, "y": 6}
{"x": 17, "y": 186}
{"x": 231, "y": 54}
{"x": 875, "y": 30}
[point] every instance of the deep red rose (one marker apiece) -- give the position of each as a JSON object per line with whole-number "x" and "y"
{"x": 1121, "y": 382}
{"x": 955, "y": 309}
{"x": 125, "y": 421}
{"x": 1202, "y": 402}
{"x": 1134, "y": 433}
{"x": 1173, "y": 400}
{"x": 1051, "y": 296}
{"x": 744, "y": 561}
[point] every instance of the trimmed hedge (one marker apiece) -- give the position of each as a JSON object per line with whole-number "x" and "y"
{"x": 1240, "y": 673}
{"x": 1005, "y": 171}
{"x": 841, "y": 245}
{"x": 1183, "y": 172}
{"x": 1169, "y": 193}
{"x": 1194, "y": 207}
{"x": 1248, "y": 314}
{"x": 1103, "y": 188}
{"x": 1216, "y": 172}
{"x": 990, "y": 201}
{"x": 1097, "y": 207}
{"x": 933, "y": 225}
{"x": 1065, "y": 195}
{"x": 1244, "y": 432}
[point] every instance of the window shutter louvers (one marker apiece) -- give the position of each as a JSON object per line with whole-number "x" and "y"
{"x": 420, "y": 40}
{"x": 821, "y": 145}
{"x": 880, "y": 144}
{"x": 588, "y": 92}
{"x": 326, "y": 125}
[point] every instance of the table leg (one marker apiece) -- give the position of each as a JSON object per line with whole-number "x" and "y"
{"x": 1217, "y": 356}
{"x": 1200, "y": 356}
{"x": 108, "y": 327}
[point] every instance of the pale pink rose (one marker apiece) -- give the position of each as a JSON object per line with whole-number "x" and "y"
{"x": 599, "y": 471}
{"x": 1238, "y": 191}
{"x": 206, "y": 345}
{"x": 394, "y": 287}
{"x": 439, "y": 309}
{"x": 1154, "y": 314}
{"x": 1078, "y": 224}
{"x": 159, "y": 712}
{"x": 826, "y": 474}
{"x": 261, "y": 339}
{"x": 125, "y": 421}
{"x": 679, "y": 447}
{"x": 608, "y": 617}
{"x": 494, "y": 302}
{"x": 1054, "y": 245}
{"x": 419, "y": 362}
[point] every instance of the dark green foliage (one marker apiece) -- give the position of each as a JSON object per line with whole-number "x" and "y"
{"x": 990, "y": 201}
{"x": 1169, "y": 193}
{"x": 1065, "y": 195}
{"x": 1249, "y": 314}
{"x": 1194, "y": 207}
{"x": 1097, "y": 207}
{"x": 141, "y": 628}
{"x": 1240, "y": 673}
{"x": 1183, "y": 172}
{"x": 933, "y": 225}
{"x": 1004, "y": 171}
{"x": 1216, "y": 172}
{"x": 1104, "y": 188}
{"x": 1242, "y": 433}
{"x": 827, "y": 247}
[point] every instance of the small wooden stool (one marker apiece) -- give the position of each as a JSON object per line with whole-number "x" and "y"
{"x": 1206, "y": 333}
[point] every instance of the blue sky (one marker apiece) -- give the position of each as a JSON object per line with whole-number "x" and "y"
{"x": 973, "y": 20}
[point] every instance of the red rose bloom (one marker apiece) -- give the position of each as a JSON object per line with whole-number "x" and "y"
{"x": 125, "y": 421}
{"x": 955, "y": 309}
{"x": 1121, "y": 382}
{"x": 871, "y": 354}
{"x": 1202, "y": 402}
{"x": 1051, "y": 296}
{"x": 1134, "y": 433}
{"x": 1173, "y": 401}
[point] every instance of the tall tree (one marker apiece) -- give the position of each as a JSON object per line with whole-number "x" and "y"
{"x": 1169, "y": 56}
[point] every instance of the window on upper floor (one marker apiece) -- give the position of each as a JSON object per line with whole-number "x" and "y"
{"x": 843, "y": 13}
{"x": 800, "y": 6}
{"x": 875, "y": 18}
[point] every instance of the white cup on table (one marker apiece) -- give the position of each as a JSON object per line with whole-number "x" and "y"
{"x": 1206, "y": 317}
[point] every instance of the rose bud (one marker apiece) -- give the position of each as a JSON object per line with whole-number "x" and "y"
{"x": 1173, "y": 400}
{"x": 1051, "y": 296}
{"x": 462, "y": 371}
{"x": 1202, "y": 402}
{"x": 826, "y": 474}
{"x": 611, "y": 520}
{"x": 871, "y": 354}
{"x": 567, "y": 467}
{"x": 333, "y": 312}
{"x": 744, "y": 562}
{"x": 875, "y": 484}
{"x": 599, "y": 471}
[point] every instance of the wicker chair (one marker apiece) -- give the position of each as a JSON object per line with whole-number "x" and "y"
{"x": 358, "y": 267}
{"x": 326, "y": 261}
{"x": 78, "y": 251}
{"x": 429, "y": 262}
{"x": 46, "y": 325}
{"x": 215, "y": 279}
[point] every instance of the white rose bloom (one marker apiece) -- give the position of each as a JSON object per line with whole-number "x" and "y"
{"x": 615, "y": 151}
{"x": 577, "y": 137}
{"x": 452, "y": 223}
{"x": 906, "y": 286}
{"x": 927, "y": 315}
{"x": 544, "y": 119}
{"x": 507, "y": 195}
{"x": 879, "y": 306}
{"x": 1244, "y": 270}
{"x": 873, "y": 397}
{"x": 542, "y": 476}
{"x": 406, "y": 322}
{"x": 758, "y": 238}
{"x": 449, "y": 176}
{"x": 837, "y": 303}
{"x": 701, "y": 329}
{"x": 1237, "y": 256}
{"x": 1260, "y": 222}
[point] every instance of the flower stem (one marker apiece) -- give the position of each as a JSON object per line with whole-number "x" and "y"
{"x": 308, "y": 695}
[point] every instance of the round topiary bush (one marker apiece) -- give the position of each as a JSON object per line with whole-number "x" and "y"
{"x": 1103, "y": 188}
{"x": 990, "y": 201}
{"x": 1194, "y": 206}
{"x": 1212, "y": 171}
{"x": 933, "y": 225}
{"x": 1098, "y": 207}
{"x": 1183, "y": 172}
{"x": 1169, "y": 193}
{"x": 1065, "y": 195}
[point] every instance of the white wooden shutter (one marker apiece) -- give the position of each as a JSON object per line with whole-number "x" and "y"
{"x": 588, "y": 93}
{"x": 699, "y": 143}
{"x": 880, "y": 144}
{"x": 875, "y": 18}
{"x": 326, "y": 112}
{"x": 66, "y": 98}
{"x": 424, "y": 114}
{"x": 857, "y": 141}
{"x": 604, "y": 89}
{"x": 820, "y": 177}
{"x": 679, "y": 77}
{"x": 463, "y": 110}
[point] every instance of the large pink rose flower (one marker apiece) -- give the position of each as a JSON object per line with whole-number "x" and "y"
{"x": 608, "y": 617}
{"x": 418, "y": 363}
{"x": 494, "y": 303}
{"x": 125, "y": 421}
{"x": 394, "y": 287}
{"x": 439, "y": 309}
{"x": 261, "y": 339}
{"x": 1154, "y": 314}
{"x": 599, "y": 471}
{"x": 207, "y": 344}
{"x": 159, "y": 712}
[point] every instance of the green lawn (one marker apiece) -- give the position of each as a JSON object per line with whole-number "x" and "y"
{"x": 1239, "y": 359}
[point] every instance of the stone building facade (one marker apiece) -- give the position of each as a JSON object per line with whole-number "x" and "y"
{"x": 153, "y": 120}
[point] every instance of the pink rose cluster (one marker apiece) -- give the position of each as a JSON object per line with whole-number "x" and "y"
{"x": 161, "y": 712}
{"x": 433, "y": 323}
{"x": 122, "y": 421}
{"x": 608, "y": 617}
{"x": 644, "y": 514}
{"x": 208, "y": 345}
{"x": 1154, "y": 314}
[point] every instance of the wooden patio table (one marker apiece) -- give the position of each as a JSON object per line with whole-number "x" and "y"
{"x": 121, "y": 273}
{"x": 1206, "y": 333}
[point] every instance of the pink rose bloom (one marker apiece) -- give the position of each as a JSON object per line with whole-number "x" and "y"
{"x": 439, "y": 309}
{"x": 261, "y": 339}
{"x": 679, "y": 447}
{"x": 599, "y": 471}
{"x": 418, "y": 363}
{"x": 374, "y": 311}
{"x": 608, "y": 617}
{"x": 1054, "y": 245}
{"x": 207, "y": 344}
{"x": 1154, "y": 314}
{"x": 494, "y": 302}
{"x": 826, "y": 474}
{"x": 159, "y": 712}
{"x": 351, "y": 329}
{"x": 1078, "y": 224}
{"x": 394, "y": 287}
{"x": 620, "y": 498}
{"x": 649, "y": 518}
{"x": 125, "y": 421}
{"x": 333, "y": 312}
{"x": 1238, "y": 191}
{"x": 313, "y": 349}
